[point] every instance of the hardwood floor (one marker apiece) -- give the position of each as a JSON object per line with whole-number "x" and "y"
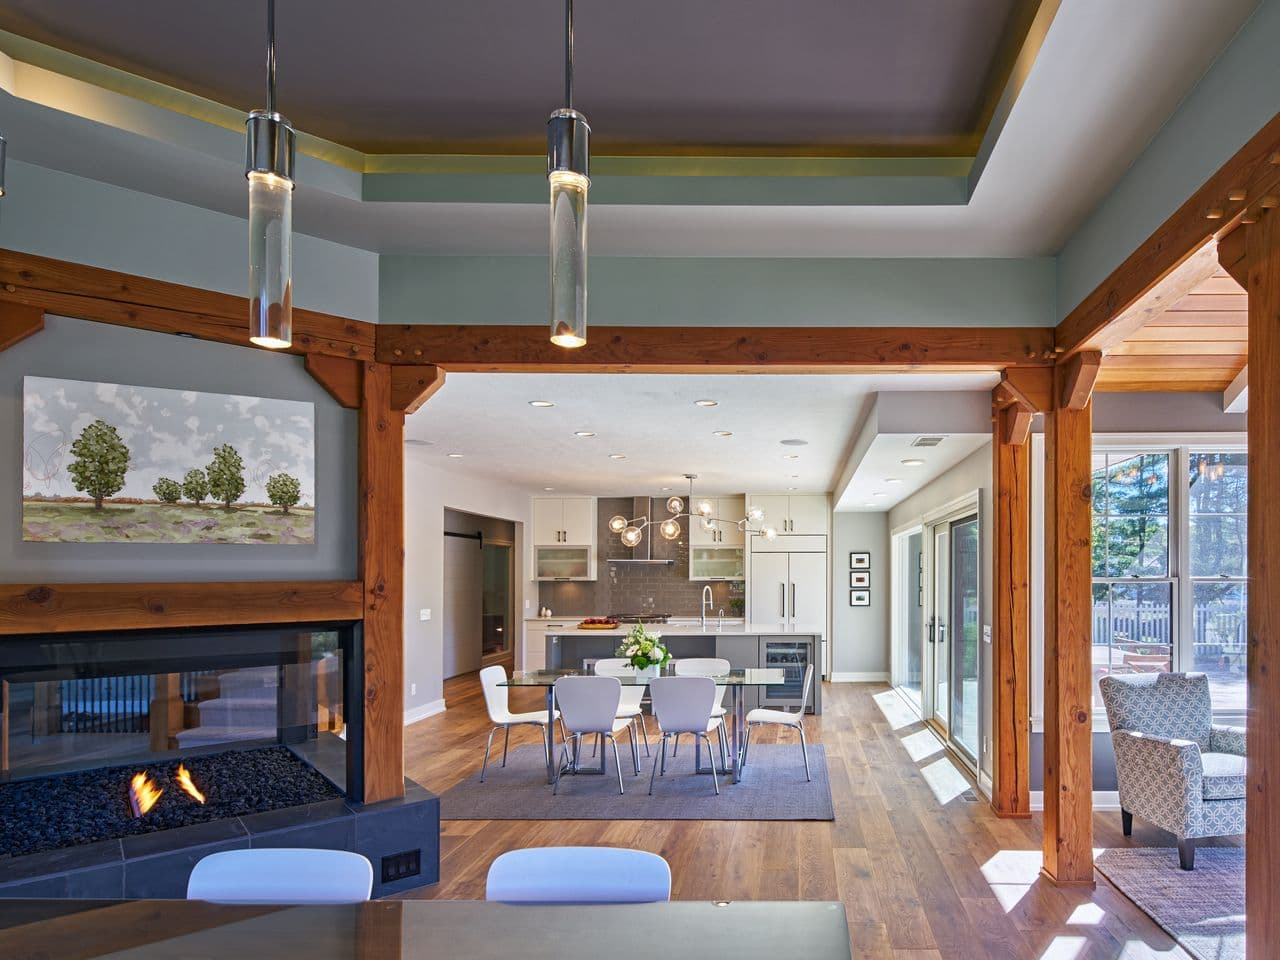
{"x": 921, "y": 879}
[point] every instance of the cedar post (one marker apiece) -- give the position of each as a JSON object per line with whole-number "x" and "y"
{"x": 381, "y": 465}
{"x": 1011, "y": 658}
{"x": 1262, "y": 852}
{"x": 1068, "y": 669}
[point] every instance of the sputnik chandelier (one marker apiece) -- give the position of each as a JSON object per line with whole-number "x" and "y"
{"x": 631, "y": 532}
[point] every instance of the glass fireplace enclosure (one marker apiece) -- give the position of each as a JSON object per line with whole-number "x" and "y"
{"x": 83, "y": 700}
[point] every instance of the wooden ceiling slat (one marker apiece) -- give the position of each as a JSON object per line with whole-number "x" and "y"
{"x": 1211, "y": 301}
{"x": 1181, "y": 385}
{"x": 1202, "y": 318}
{"x": 1180, "y": 363}
{"x": 1220, "y": 282}
{"x": 1183, "y": 348}
{"x": 1210, "y": 334}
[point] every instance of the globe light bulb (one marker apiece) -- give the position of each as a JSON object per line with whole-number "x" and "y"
{"x": 755, "y": 514}
{"x": 617, "y": 523}
{"x": 670, "y": 529}
{"x": 770, "y": 534}
{"x": 631, "y": 536}
{"x": 705, "y": 508}
{"x": 675, "y": 505}
{"x": 708, "y": 524}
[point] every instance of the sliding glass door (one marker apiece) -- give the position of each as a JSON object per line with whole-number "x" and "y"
{"x": 909, "y": 600}
{"x": 965, "y": 646}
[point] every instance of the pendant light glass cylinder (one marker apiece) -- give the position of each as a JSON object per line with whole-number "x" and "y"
{"x": 568, "y": 138}
{"x": 269, "y": 170}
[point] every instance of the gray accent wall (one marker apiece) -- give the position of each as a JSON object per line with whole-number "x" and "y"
{"x": 83, "y": 350}
{"x": 860, "y": 635}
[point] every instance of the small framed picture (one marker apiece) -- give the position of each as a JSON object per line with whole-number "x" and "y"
{"x": 859, "y": 598}
{"x": 860, "y": 578}
{"x": 860, "y": 561}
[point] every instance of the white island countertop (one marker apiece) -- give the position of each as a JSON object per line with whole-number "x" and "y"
{"x": 688, "y": 628}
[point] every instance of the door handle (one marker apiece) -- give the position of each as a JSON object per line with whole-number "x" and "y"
{"x": 793, "y": 601}
{"x": 782, "y": 601}
{"x": 932, "y": 626}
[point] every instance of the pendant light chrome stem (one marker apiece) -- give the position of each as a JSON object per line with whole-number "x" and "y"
{"x": 568, "y": 159}
{"x": 269, "y": 163}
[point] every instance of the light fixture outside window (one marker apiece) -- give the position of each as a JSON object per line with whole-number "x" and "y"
{"x": 568, "y": 155}
{"x": 269, "y": 157}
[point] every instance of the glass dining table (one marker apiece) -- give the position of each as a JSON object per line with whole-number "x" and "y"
{"x": 735, "y": 681}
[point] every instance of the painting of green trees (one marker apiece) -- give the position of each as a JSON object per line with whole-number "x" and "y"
{"x": 106, "y": 462}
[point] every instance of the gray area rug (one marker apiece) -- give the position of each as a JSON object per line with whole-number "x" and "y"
{"x": 1203, "y": 909}
{"x": 773, "y": 788}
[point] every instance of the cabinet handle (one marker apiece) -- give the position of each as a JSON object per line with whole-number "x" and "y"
{"x": 793, "y": 601}
{"x": 782, "y": 601}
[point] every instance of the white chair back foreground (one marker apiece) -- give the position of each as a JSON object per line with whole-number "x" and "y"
{"x": 578, "y": 875}
{"x": 683, "y": 704}
{"x": 495, "y": 696}
{"x": 588, "y": 704}
{"x": 282, "y": 876}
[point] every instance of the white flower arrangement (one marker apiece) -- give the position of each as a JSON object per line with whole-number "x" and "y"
{"x": 643, "y": 649}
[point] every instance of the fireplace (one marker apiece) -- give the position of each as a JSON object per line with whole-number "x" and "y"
{"x": 127, "y": 756}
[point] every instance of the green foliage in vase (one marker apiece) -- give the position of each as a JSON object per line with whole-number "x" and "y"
{"x": 643, "y": 649}
{"x": 100, "y": 462}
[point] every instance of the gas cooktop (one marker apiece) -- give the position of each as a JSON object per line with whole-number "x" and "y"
{"x": 640, "y": 617}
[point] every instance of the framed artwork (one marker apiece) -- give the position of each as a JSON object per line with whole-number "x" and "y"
{"x": 860, "y": 578}
{"x": 105, "y": 462}
{"x": 860, "y": 561}
{"x": 859, "y": 598}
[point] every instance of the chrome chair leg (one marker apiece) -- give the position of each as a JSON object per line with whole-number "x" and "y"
{"x": 724, "y": 747}
{"x": 485, "y": 766}
{"x": 564, "y": 734}
{"x": 644, "y": 730}
{"x": 675, "y": 748}
{"x": 804, "y": 747}
{"x": 506, "y": 743}
{"x": 547, "y": 734}
{"x": 746, "y": 746}
{"x": 660, "y": 758}
{"x": 564, "y": 758}
{"x": 711, "y": 755}
{"x": 616, "y": 762}
{"x": 635, "y": 748}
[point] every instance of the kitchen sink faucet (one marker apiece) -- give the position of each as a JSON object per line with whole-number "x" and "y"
{"x": 708, "y": 603}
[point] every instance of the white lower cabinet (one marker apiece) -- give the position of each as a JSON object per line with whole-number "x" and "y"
{"x": 789, "y": 589}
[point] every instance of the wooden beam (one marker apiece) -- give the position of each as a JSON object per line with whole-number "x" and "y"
{"x": 17, "y": 322}
{"x": 412, "y": 386}
{"x": 1011, "y": 650}
{"x": 1231, "y": 256}
{"x": 1068, "y": 668}
{"x": 91, "y": 293}
{"x": 1013, "y": 425}
{"x": 1031, "y": 387}
{"x": 526, "y": 349}
{"x": 1262, "y": 852}
{"x": 381, "y": 465}
{"x": 1080, "y": 373}
{"x": 1233, "y": 193}
{"x": 76, "y": 607}
{"x": 340, "y": 377}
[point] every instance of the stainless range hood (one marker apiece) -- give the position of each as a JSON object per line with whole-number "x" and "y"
{"x": 642, "y": 552}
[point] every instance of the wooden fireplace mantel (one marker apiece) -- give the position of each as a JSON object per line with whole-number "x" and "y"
{"x": 68, "y": 607}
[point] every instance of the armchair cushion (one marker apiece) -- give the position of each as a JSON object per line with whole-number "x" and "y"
{"x": 1223, "y": 776}
{"x": 1167, "y": 705}
{"x": 1224, "y": 739}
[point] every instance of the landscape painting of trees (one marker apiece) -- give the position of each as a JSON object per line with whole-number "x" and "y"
{"x": 104, "y": 462}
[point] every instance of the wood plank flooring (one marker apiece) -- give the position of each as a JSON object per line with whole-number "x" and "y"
{"x": 921, "y": 879}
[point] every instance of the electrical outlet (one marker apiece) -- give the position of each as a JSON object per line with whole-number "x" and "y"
{"x": 424, "y": 613}
{"x": 398, "y": 866}
{"x": 413, "y": 689}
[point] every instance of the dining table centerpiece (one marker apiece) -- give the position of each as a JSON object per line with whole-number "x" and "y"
{"x": 645, "y": 651}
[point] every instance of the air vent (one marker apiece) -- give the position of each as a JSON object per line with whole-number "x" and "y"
{"x": 927, "y": 441}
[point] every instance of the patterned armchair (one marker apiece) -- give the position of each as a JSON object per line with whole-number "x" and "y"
{"x": 1178, "y": 770}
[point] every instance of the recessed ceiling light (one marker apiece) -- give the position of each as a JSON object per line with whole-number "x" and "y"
{"x": 723, "y": 433}
{"x": 583, "y": 433}
{"x": 794, "y": 443}
{"x": 879, "y": 493}
{"x": 706, "y": 403}
{"x": 795, "y": 476}
{"x": 792, "y": 489}
{"x": 791, "y": 456}
{"x": 666, "y": 489}
{"x": 548, "y": 489}
{"x": 617, "y": 456}
{"x": 868, "y": 504}
{"x": 912, "y": 462}
{"x": 455, "y": 456}
{"x": 541, "y": 403}
{"x": 420, "y": 443}
{"x": 892, "y": 479}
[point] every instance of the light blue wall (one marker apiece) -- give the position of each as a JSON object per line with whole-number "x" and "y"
{"x": 633, "y": 291}
{"x": 58, "y": 215}
{"x": 1237, "y": 96}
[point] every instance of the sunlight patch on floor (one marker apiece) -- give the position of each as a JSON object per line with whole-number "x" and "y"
{"x": 945, "y": 780}
{"x": 1064, "y": 948}
{"x": 1010, "y": 874}
{"x": 1086, "y": 915}
{"x": 895, "y": 710}
{"x": 922, "y": 744}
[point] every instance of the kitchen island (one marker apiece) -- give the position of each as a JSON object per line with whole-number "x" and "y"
{"x": 744, "y": 645}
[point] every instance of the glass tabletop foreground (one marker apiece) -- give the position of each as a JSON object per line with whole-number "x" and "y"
{"x": 754, "y": 677}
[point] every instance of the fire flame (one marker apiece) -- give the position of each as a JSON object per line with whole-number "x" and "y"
{"x": 143, "y": 794}
{"x": 183, "y": 777}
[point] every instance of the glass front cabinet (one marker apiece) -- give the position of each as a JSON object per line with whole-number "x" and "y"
{"x": 716, "y": 563}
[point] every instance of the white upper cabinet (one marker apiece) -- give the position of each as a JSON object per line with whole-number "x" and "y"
{"x": 731, "y": 509}
{"x": 564, "y": 520}
{"x": 794, "y": 515}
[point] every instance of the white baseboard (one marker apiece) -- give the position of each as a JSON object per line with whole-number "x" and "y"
{"x": 859, "y": 678}
{"x": 426, "y": 710}
{"x": 985, "y": 785}
{"x": 1102, "y": 800}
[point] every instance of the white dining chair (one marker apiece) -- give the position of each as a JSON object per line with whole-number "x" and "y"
{"x": 783, "y": 718}
{"x": 706, "y": 667}
{"x": 589, "y": 706}
{"x": 281, "y": 875}
{"x": 495, "y": 700}
{"x": 578, "y": 875}
{"x": 630, "y": 706}
{"x": 684, "y": 705}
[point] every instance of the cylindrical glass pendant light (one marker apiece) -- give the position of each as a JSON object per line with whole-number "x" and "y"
{"x": 568, "y": 155}
{"x": 269, "y": 170}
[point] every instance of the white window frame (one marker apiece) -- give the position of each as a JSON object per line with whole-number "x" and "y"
{"x": 1179, "y": 447}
